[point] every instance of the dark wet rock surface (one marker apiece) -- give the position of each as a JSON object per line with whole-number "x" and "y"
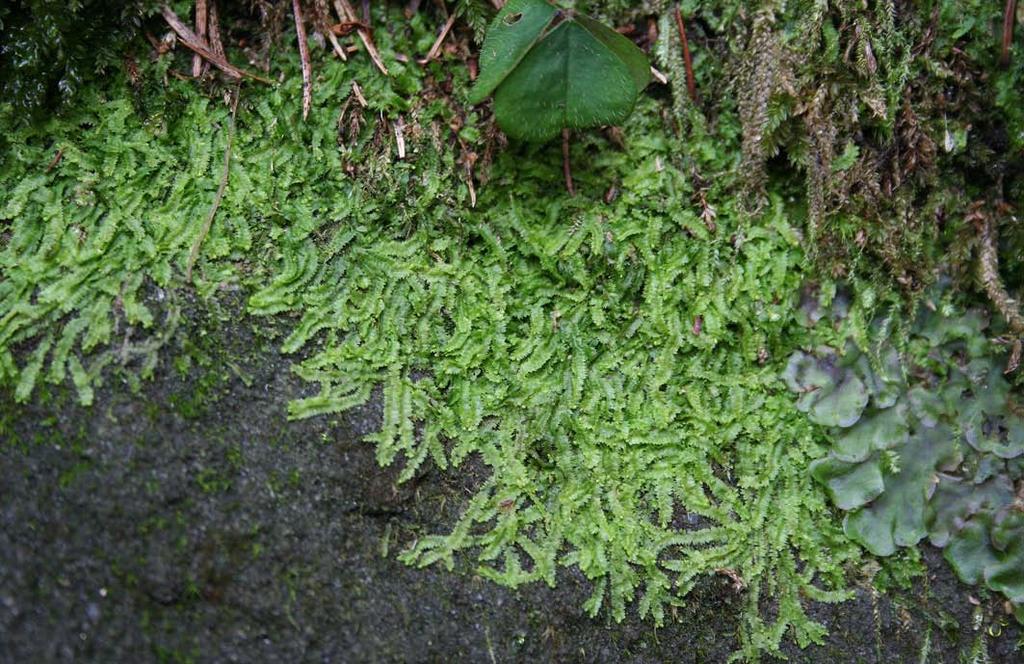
{"x": 193, "y": 522}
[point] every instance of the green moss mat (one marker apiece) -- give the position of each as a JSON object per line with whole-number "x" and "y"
{"x": 615, "y": 364}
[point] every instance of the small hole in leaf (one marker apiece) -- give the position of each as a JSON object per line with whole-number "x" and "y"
{"x": 512, "y": 19}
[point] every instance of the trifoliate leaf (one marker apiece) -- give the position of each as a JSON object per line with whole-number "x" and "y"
{"x": 551, "y": 69}
{"x": 515, "y": 30}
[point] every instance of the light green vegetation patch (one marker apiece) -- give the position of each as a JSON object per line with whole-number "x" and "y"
{"x": 615, "y": 366}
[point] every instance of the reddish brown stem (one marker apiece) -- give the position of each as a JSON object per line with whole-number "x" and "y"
{"x": 55, "y": 160}
{"x": 1008, "y": 18}
{"x": 566, "y": 164}
{"x": 691, "y": 82}
{"x": 307, "y": 69}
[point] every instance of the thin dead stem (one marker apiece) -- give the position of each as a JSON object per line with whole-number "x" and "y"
{"x": 201, "y": 25}
{"x": 1009, "y": 16}
{"x": 192, "y": 41}
{"x": 436, "y": 48}
{"x": 348, "y": 14}
{"x": 213, "y": 20}
{"x": 307, "y": 68}
{"x": 193, "y": 255}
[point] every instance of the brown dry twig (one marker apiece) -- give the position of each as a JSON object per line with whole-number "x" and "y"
{"x": 213, "y": 21}
{"x": 56, "y": 160}
{"x": 435, "y": 49}
{"x": 201, "y": 23}
{"x": 322, "y": 16}
{"x": 348, "y": 14}
{"x": 1009, "y": 16}
{"x": 467, "y": 159}
{"x": 357, "y": 92}
{"x": 307, "y": 68}
{"x": 345, "y": 28}
{"x": 192, "y": 41}
{"x": 400, "y": 137}
{"x": 193, "y": 254}
{"x": 659, "y": 77}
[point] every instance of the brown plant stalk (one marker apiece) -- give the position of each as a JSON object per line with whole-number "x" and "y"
{"x": 988, "y": 272}
{"x": 192, "y": 41}
{"x": 307, "y": 68}
{"x": 201, "y": 24}
{"x": 193, "y": 254}
{"x": 691, "y": 81}
{"x": 348, "y": 14}
{"x": 1009, "y": 15}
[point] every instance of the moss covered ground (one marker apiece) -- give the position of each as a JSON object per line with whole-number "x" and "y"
{"x": 603, "y": 369}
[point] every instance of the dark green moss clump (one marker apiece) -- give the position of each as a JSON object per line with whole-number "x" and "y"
{"x": 50, "y": 49}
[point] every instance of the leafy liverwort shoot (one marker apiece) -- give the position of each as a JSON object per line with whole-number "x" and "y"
{"x": 551, "y": 69}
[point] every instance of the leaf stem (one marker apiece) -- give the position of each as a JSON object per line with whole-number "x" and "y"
{"x": 566, "y": 165}
{"x": 691, "y": 81}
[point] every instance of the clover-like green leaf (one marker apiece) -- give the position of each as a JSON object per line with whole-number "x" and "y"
{"x": 551, "y": 69}
{"x": 624, "y": 50}
{"x": 515, "y": 30}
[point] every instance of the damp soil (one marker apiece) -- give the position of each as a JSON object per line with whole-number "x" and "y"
{"x": 189, "y": 520}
